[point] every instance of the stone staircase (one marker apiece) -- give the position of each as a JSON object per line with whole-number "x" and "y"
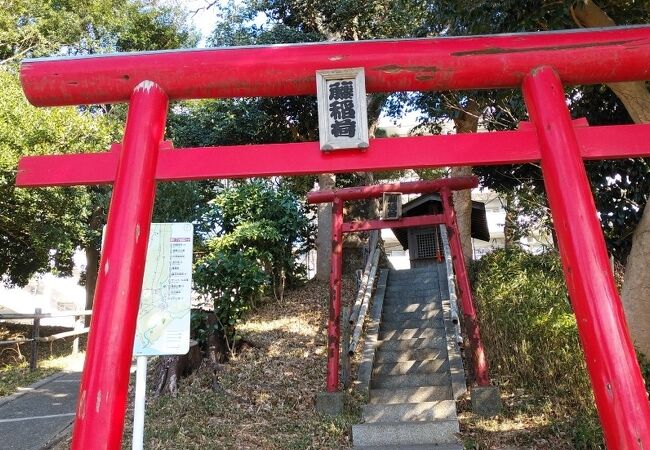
{"x": 416, "y": 366}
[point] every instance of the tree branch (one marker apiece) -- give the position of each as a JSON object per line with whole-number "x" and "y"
{"x": 633, "y": 94}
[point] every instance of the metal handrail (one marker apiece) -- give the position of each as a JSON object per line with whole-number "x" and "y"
{"x": 451, "y": 285}
{"x": 363, "y": 308}
{"x": 373, "y": 241}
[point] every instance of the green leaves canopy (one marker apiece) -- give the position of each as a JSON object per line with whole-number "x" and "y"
{"x": 34, "y": 221}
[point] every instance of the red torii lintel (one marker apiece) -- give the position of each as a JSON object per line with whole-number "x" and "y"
{"x": 468, "y": 62}
{"x": 237, "y": 161}
{"x": 448, "y": 218}
{"x": 405, "y": 187}
{"x": 570, "y": 57}
{"x": 404, "y": 222}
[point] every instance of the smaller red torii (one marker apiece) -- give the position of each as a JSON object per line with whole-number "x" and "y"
{"x": 444, "y": 186}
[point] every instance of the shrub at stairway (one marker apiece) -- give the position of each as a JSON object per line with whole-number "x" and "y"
{"x": 261, "y": 230}
{"x": 233, "y": 282}
{"x": 248, "y": 247}
{"x": 528, "y": 326}
{"x": 532, "y": 345}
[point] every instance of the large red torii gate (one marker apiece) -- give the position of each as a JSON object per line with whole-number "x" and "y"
{"x": 538, "y": 63}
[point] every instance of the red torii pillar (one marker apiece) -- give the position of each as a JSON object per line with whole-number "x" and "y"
{"x": 501, "y": 61}
{"x": 105, "y": 380}
{"x": 444, "y": 186}
{"x": 587, "y": 269}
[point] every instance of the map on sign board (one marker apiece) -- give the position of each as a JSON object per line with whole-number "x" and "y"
{"x": 164, "y": 317}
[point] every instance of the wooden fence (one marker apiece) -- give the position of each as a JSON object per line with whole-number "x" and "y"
{"x": 78, "y": 330}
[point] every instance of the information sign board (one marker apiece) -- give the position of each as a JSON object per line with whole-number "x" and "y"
{"x": 164, "y": 316}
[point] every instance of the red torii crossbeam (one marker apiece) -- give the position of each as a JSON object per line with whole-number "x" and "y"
{"x": 538, "y": 62}
{"x": 304, "y": 158}
{"x": 444, "y": 186}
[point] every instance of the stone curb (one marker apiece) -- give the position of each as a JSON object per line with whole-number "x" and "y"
{"x": 370, "y": 345}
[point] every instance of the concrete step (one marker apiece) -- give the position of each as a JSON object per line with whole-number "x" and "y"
{"x": 407, "y": 367}
{"x": 411, "y": 333}
{"x": 425, "y": 269}
{"x": 417, "y": 315}
{"x": 425, "y": 280}
{"x": 412, "y": 270}
{"x": 412, "y": 289}
{"x": 410, "y": 394}
{"x": 403, "y": 308}
{"x": 413, "y": 276}
{"x": 410, "y": 355}
{"x": 412, "y": 297}
{"x": 410, "y": 412}
{"x": 405, "y": 304}
{"x": 409, "y": 286}
{"x": 405, "y": 433}
{"x": 413, "y": 447}
{"x": 412, "y": 344}
{"x": 387, "y": 325}
{"x": 411, "y": 380}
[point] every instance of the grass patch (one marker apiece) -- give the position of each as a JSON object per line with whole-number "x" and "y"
{"x": 535, "y": 357}
{"x": 14, "y": 359}
{"x": 530, "y": 422}
{"x": 268, "y": 389}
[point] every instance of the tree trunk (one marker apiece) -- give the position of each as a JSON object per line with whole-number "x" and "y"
{"x": 375, "y": 103}
{"x": 635, "y": 293}
{"x": 324, "y": 236}
{"x": 633, "y": 94}
{"x": 510, "y": 225}
{"x": 169, "y": 369}
{"x": 466, "y": 122}
{"x": 636, "y": 286}
{"x": 92, "y": 266}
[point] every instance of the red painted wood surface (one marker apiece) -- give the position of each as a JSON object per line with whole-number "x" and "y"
{"x": 619, "y": 389}
{"x": 409, "y": 187}
{"x": 580, "y": 56}
{"x": 104, "y": 384}
{"x": 404, "y": 222}
{"x": 505, "y": 147}
{"x": 479, "y": 361}
{"x": 334, "y": 320}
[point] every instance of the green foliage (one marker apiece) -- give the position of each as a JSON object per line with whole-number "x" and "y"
{"x": 531, "y": 338}
{"x": 620, "y": 199}
{"x": 233, "y": 282}
{"x": 587, "y": 432}
{"x": 645, "y": 369}
{"x": 30, "y": 28}
{"x": 148, "y": 25}
{"x": 268, "y": 224}
{"x": 35, "y": 221}
{"x": 40, "y": 228}
{"x": 528, "y": 326}
{"x": 261, "y": 228}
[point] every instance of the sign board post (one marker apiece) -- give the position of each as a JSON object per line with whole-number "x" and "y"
{"x": 163, "y": 326}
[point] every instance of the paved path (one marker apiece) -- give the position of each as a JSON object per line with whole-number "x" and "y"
{"x": 31, "y": 419}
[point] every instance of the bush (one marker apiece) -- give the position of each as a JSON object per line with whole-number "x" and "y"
{"x": 269, "y": 224}
{"x": 259, "y": 228}
{"x": 528, "y": 326}
{"x": 233, "y": 282}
